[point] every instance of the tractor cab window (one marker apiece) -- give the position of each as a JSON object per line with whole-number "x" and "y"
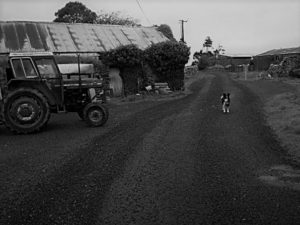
{"x": 18, "y": 68}
{"x": 47, "y": 68}
{"x": 23, "y": 68}
{"x": 29, "y": 69}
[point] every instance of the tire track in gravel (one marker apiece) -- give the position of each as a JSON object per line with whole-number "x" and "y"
{"x": 73, "y": 194}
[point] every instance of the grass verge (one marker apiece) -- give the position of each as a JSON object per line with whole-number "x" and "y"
{"x": 281, "y": 99}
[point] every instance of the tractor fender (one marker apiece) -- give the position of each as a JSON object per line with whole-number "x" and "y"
{"x": 39, "y": 85}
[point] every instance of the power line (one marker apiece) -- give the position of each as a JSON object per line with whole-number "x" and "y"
{"x": 137, "y": 1}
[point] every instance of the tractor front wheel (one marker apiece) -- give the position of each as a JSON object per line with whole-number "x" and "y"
{"x": 95, "y": 114}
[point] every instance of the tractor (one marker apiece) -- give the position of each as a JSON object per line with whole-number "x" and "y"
{"x": 32, "y": 87}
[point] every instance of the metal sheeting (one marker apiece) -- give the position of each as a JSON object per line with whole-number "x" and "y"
{"x": 282, "y": 51}
{"x": 72, "y": 38}
{"x": 85, "y": 68}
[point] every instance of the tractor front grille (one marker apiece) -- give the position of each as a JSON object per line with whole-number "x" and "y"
{"x": 96, "y": 94}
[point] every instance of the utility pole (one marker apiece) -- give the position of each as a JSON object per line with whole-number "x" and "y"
{"x": 182, "y": 30}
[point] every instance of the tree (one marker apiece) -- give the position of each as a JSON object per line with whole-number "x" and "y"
{"x": 207, "y": 43}
{"x": 75, "y": 12}
{"x": 116, "y": 18}
{"x": 203, "y": 62}
{"x": 219, "y": 50}
{"x": 197, "y": 55}
{"x": 202, "y": 59}
{"x": 166, "y": 30}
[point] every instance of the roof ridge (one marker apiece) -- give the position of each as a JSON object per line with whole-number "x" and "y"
{"x": 88, "y": 24}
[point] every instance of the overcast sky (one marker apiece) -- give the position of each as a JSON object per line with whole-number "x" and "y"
{"x": 243, "y": 27}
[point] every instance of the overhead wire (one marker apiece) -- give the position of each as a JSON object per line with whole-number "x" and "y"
{"x": 143, "y": 12}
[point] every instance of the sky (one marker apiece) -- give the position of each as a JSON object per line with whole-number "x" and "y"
{"x": 242, "y": 27}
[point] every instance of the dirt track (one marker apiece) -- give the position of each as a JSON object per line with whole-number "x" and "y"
{"x": 176, "y": 162}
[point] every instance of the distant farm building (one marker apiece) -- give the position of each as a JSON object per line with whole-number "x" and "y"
{"x": 71, "y": 39}
{"x": 275, "y": 56}
{"x": 238, "y": 61}
{"x": 234, "y": 62}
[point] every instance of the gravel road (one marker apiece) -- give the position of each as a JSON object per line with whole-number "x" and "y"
{"x": 171, "y": 162}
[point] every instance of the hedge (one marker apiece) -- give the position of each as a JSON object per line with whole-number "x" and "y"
{"x": 168, "y": 59}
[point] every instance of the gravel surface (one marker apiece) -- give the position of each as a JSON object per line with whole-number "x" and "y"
{"x": 167, "y": 162}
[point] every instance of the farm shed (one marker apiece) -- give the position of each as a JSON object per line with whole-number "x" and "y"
{"x": 234, "y": 62}
{"x": 63, "y": 38}
{"x": 263, "y": 60}
{"x": 73, "y": 38}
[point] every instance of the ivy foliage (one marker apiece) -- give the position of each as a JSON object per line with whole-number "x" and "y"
{"x": 167, "y": 57}
{"x": 167, "y": 31}
{"x": 123, "y": 57}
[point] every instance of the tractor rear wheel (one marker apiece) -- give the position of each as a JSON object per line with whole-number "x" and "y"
{"x": 25, "y": 111}
{"x": 95, "y": 114}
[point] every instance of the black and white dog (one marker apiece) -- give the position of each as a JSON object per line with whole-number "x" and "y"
{"x": 225, "y": 100}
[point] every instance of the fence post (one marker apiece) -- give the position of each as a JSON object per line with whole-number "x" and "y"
{"x": 245, "y": 66}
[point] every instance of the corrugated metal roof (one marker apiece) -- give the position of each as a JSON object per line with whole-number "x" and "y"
{"x": 281, "y": 51}
{"x": 72, "y": 38}
{"x": 239, "y": 56}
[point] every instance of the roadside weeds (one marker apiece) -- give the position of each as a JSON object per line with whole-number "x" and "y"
{"x": 283, "y": 112}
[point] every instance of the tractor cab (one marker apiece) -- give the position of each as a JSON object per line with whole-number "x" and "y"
{"x": 36, "y": 69}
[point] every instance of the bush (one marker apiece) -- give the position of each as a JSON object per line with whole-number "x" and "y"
{"x": 123, "y": 56}
{"x": 285, "y": 67}
{"x": 203, "y": 63}
{"x": 206, "y": 60}
{"x": 168, "y": 59}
